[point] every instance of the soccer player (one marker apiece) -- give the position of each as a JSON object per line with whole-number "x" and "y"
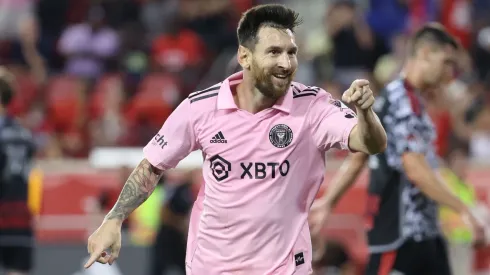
{"x": 263, "y": 139}
{"x": 16, "y": 155}
{"x": 404, "y": 188}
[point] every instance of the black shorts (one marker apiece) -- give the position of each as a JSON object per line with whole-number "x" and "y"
{"x": 16, "y": 258}
{"x": 412, "y": 258}
{"x": 168, "y": 252}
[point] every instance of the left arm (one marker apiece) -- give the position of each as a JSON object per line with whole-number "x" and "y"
{"x": 368, "y": 136}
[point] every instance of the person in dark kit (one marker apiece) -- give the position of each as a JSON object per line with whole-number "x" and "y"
{"x": 405, "y": 188}
{"x": 17, "y": 151}
{"x": 168, "y": 252}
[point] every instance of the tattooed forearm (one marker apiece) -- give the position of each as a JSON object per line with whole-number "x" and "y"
{"x": 137, "y": 189}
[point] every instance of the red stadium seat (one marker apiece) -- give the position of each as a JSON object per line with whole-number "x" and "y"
{"x": 25, "y": 92}
{"x": 65, "y": 102}
{"x": 99, "y": 94}
{"x": 157, "y": 95}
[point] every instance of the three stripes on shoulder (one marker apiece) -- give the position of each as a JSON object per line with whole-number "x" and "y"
{"x": 214, "y": 90}
{"x": 206, "y": 93}
{"x": 309, "y": 91}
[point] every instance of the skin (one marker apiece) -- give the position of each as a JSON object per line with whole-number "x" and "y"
{"x": 428, "y": 68}
{"x": 275, "y": 53}
{"x": 269, "y": 67}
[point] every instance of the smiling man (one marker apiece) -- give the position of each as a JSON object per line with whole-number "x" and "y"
{"x": 263, "y": 139}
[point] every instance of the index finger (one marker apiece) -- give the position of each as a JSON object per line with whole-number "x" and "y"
{"x": 359, "y": 83}
{"x": 93, "y": 258}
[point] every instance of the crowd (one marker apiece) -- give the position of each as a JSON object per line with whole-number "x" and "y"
{"x": 108, "y": 73}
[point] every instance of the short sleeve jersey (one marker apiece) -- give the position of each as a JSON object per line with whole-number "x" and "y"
{"x": 261, "y": 172}
{"x": 397, "y": 208}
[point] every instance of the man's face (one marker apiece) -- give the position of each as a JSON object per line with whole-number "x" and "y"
{"x": 441, "y": 64}
{"x": 274, "y": 61}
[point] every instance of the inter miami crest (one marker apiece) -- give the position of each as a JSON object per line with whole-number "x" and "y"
{"x": 281, "y": 135}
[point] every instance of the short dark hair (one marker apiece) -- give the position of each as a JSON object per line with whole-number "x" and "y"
{"x": 272, "y": 15}
{"x": 433, "y": 33}
{"x": 6, "y": 92}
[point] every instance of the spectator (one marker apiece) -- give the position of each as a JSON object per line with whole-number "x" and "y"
{"x": 52, "y": 19}
{"x": 356, "y": 48}
{"x": 18, "y": 24}
{"x": 481, "y": 53}
{"x": 178, "y": 49}
{"x": 157, "y": 16}
{"x": 88, "y": 46}
{"x": 110, "y": 127}
{"x": 454, "y": 227}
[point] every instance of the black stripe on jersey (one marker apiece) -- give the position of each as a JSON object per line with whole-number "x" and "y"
{"x": 304, "y": 94}
{"x": 310, "y": 90}
{"x": 203, "y": 97}
{"x": 214, "y": 88}
{"x": 296, "y": 90}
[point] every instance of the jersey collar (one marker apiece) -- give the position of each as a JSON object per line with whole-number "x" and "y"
{"x": 225, "y": 97}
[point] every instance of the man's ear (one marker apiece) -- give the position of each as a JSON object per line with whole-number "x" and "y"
{"x": 244, "y": 57}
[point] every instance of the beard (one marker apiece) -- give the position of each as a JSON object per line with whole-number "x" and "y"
{"x": 269, "y": 85}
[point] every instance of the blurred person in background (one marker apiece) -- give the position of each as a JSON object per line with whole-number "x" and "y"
{"x": 157, "y": 16}
{"x": 89, "y": 46}
{"x": 404, "y": 188}
{"x": 388, "y": 66}
{"x": 109, "y": 128}
{"x": 481, "y": 50}
{"x": 18, "y": 24}
{"x": 457, "y": 232}
{"x": 212, "y": 20}
{"x": 134, "y": 60}
{"x": 168, "y": 251}
{"x": 180, "y": 52}
{"x": 335, "y": 260}
{"x": 17, "y": 150}
{"x": 355, "y": 47}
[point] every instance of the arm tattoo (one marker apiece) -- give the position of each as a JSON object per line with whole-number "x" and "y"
{"x": 136, "y": 190}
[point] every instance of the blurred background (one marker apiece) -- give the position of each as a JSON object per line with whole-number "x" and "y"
{"x": 95, "y": 81}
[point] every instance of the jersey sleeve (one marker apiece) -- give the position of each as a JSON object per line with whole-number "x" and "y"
{"x": 403, "y": 133}
{"x": 175, "y": 140}
{"x": 331, "y": 122}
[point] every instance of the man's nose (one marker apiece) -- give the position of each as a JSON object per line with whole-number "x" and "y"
{"x": 284, "y": 62}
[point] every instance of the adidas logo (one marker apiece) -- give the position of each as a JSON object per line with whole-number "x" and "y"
{"x": 219, "y": 138}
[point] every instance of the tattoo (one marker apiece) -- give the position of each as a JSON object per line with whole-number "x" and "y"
{"x": 136, "y": 190}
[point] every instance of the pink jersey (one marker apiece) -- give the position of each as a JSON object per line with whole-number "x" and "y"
{"x": 261, "y": 172}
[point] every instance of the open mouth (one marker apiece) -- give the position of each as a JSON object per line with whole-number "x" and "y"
{"x": 281, "y": 76}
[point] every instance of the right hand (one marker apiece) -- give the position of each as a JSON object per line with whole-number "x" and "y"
{"x": 319, "y": 212}
{"x": 106, "y": 237}
{"x": 477, "y": 226}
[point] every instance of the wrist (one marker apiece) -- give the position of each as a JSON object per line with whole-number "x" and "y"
{"x": 113, "y": 220}
{"x": 329, "y": 202}
{"x": 364, "y": 112}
